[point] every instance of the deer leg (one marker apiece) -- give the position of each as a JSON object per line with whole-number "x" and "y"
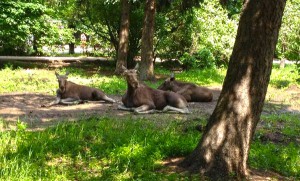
{"x": 175, "y": 109}
{"x": 71, "y": 101}
{"x": 57, "y": 101}
{"x": 145, "y": 109}
{"x": 99, "y": 95}
{"x": 108, "y": 99}
{"x": 122, "y": 107}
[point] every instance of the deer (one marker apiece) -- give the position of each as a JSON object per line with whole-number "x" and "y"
{"x": 70, "y": 93}
{"x": 142, "y": 99}
{"x": 190, "y": 91}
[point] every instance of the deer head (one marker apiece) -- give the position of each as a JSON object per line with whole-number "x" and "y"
{"x": 168, "y": 83}
{"x": 62, "y": 81}
{"x": 131, "y": 76}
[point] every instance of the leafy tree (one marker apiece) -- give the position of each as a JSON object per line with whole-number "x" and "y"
{"x": 288, "y": 46}
{"x": 102, "y": 18}
{"x": 224, "y": 147}
{"x": 20, "y": 22}
{"x": 174, "y": 28}
{"x": 214, "y": 33}
{"x": 27, "y": 26}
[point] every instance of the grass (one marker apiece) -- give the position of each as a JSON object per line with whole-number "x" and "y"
{"x": 101, "y": 148}
{"x": 17, "y": 79}
{"x": 283, "y": 78}
{"x": 93, "y": 149}
{"x": 282, "y": 154}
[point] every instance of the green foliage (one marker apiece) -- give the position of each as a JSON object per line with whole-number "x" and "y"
{"x": 26, "y": 27}
{"x": 174, "y": 30}
{"x": 213, "y": 35}
{"x": 288, "y": 46}
{"x": 202, "y": 59}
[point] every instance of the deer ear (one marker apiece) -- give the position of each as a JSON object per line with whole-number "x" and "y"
{"x": 67, "y": 73}
{"x": 57, "y": 75}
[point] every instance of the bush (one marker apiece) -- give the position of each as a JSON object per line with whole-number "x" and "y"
{"x": 202, "y": 59}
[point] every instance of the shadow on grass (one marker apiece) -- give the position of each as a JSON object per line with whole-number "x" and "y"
{"x": 95, "y": 149}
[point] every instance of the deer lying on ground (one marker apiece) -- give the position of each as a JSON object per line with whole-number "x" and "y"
{"x": 70, "y": 93}
{"x": 140, "y": 98}
{"x": 191, "y": 92}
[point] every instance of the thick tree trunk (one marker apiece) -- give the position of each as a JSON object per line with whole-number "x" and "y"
{"x": 146, "y": 68}
{"x": 123, "y": 38}
{"x": 224, "y": 147}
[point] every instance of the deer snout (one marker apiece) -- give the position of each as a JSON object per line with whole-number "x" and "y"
{"x": 62, "y": 88}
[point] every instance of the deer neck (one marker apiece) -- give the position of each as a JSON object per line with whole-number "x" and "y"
{"x": 132, "y": 86}
{"x": 175, "y": 88}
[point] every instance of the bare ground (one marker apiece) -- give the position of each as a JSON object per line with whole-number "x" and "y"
{"x": 27, "y": 107}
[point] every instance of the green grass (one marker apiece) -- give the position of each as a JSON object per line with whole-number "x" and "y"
{"x": 110, "y": 149}
{"x": 284, "y": 159}
{"x": 94, "y": 149}
{"x": 282, "y": 78}
{"x": 17, "y": 79}
{"x": 284, "y": 156}
{"x": 102, "y": 148}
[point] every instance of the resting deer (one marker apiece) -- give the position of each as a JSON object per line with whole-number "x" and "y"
{"x": 70, "y": 93}
{"x": 191, "y": 92}
{"x": 140, "y": 98}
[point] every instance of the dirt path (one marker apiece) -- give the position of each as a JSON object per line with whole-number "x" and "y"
{"x": 27, "y": 107}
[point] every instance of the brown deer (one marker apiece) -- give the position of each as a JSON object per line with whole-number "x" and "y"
{"x": 70, "y": 93}
{"x": 191, "y": 92}
{"x": 140, "y": 98}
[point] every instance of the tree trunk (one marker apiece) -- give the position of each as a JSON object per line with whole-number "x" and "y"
{"x": 224, "y": 147}
{"x": 123, "y": 38}
{"x": 71, "y": 44}
{"x": 146, "y": 68}
{"x": 71, "y": 48}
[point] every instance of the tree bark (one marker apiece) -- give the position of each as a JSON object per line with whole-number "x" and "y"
{"x": 146, "y": 68}
{"x": 123, "y": 38}
{"x": 72, "y": 44}
{"x": 224, "y": 147}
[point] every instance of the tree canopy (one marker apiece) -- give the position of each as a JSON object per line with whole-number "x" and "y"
{"x": 197, "y": 33}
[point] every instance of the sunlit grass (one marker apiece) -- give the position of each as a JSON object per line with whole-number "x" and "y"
{"x": 284, "y": 77}
{"x": 283, "y": 155}
{"x": 111, "y": 149}
{"x": 44, "y": 80}
{"x": 284, "y": 159}
{"x": 97, "y": 148}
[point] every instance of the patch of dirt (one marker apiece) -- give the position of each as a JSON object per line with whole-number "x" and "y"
{"x": 27, "y": 108}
